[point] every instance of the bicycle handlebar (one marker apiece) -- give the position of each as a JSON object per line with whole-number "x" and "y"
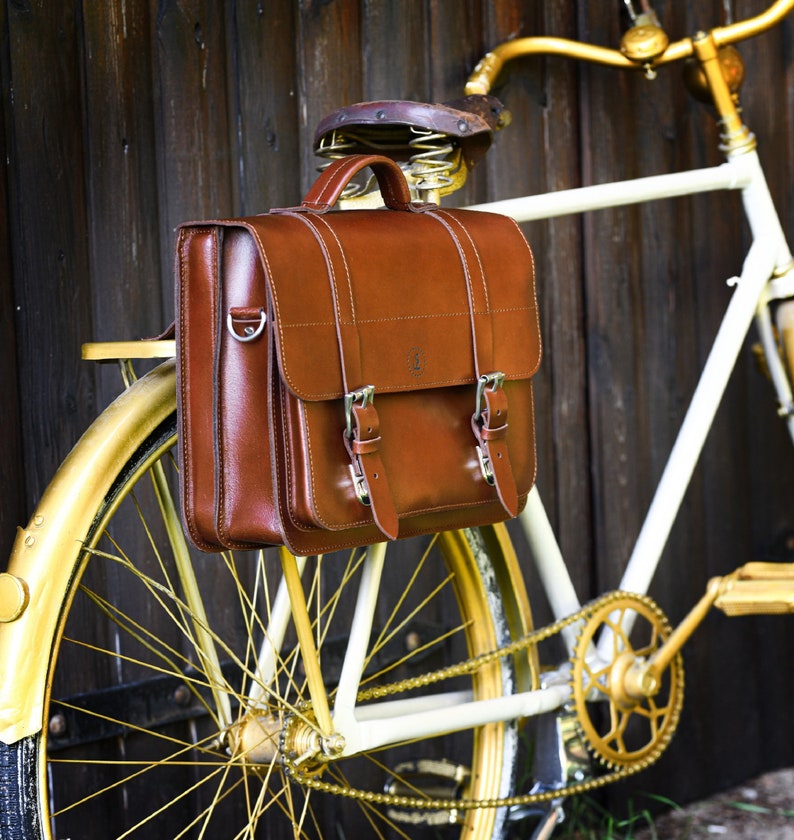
{"x": 489, "y": 67}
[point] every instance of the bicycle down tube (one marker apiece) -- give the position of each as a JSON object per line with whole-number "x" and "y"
{"x": 769, "y": 257}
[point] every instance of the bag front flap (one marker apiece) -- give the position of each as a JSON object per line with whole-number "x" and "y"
{"x": 398, "y": 300}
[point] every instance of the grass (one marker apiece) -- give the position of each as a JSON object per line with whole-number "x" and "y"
{"x": 762, "y": 810}
{"x": 586, "y": 819}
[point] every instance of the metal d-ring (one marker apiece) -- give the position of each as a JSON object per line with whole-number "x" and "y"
{"x": 250, "y": 333}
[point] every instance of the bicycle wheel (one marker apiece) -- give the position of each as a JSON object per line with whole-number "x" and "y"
{"x": 150, "y": 686}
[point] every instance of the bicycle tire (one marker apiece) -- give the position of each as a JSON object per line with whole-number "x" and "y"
{"x": 129, "y": 743}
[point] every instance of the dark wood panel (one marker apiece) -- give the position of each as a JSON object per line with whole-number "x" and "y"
{"x": 193, "y": 134}
{"x": 130, "y": 117}
{"x": 13, "y": 508}
{"x": 329, "y": 59}
{"x": 397, "y": 50}
{"x": 263, "y": 82}
{"x": 48, "y": 227}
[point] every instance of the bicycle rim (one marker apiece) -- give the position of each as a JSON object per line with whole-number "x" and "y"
{"x": 136, "y": 740}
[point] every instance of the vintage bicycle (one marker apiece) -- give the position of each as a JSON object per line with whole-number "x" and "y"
{"x": 263, "y": 708}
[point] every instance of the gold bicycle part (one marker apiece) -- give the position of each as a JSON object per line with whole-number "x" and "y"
{"x": 736, "y": 137}
{"x": 469, "y": 802}
{"x": 642, "y": 707}
{"x": 111, "y": 351}
{"x": 644, "y": 42}
{"x": 485, "y": 73}
{"x": 303, "y": 627}
{"x": 731, "y": 66}
{"x": 642, "y": 684}
{"x": 47, "y": 551}
{"x": 757, "y": 589}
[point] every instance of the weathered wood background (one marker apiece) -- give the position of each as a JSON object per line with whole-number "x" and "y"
{"x": 122, "y": 118}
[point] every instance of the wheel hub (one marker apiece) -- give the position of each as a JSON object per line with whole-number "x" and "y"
{"x": 256, "y": 739}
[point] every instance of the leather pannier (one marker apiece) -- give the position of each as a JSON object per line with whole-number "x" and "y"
{"x": 345, "y": 377}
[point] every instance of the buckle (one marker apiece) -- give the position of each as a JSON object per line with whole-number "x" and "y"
{"x": 365, "y": 396}
{"x": 495, "y": 380}
{"x": 485, "y": 467}
{"x": 360, "y": 487}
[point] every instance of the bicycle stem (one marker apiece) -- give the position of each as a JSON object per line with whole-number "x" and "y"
{"x": 736, "y": 137}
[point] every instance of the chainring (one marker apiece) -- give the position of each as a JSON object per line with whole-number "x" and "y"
{"x": 624, "y": 731}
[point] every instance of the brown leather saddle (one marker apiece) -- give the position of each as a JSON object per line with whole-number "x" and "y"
{"x": 396, "y": 128}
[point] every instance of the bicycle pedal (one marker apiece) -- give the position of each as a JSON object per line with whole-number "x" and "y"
{"x": 758, "y": 589}
{"x": 433, "y": 778}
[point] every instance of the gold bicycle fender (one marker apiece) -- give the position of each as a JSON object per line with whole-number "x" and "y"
{"x": 46, "y": 553}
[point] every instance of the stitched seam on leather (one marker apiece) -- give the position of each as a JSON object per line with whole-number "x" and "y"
{"x": 456, "y": 221}
{"x": 465, "y": 264}
{"x": 333, "y": 394}
{"x": 327, "y": 186}
{"x": 321, "y": 220}
{"x": 183, "y": 438}
{"x": 524, "y": 242}
{"x": 418, "y": 317}
{"x": 184, "y": 236}
{"x": 285, "y": 372}
{"x": 315, "y": 495}
{"x": 344, "y": 354}
{"x": 220, "y": 483}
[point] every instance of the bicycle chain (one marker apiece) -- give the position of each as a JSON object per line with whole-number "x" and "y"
{"x": 314, "y": 782}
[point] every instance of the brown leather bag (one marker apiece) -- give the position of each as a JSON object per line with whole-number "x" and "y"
{"x": 344, "y": 378}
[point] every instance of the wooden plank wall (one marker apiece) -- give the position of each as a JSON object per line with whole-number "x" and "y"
{"x": 122, "y": 118}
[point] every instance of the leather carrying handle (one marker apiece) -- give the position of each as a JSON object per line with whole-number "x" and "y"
{"x": 327, "y": 189}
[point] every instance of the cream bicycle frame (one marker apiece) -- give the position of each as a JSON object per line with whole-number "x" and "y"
{"x": 767, "y": 274}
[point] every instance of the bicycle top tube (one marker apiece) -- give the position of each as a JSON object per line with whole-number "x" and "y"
{"x": 485, "y": 73}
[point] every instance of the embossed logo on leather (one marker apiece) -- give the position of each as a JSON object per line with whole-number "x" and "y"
{"x": 416, "y": 361}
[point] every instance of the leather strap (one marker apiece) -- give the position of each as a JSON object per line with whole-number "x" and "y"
{"x": 363, "y": 442}
{"x": 364, "y": 450}
{"x": 490, "y": 430}
{"x": 477, "y": 292}
{"x": 489, "y": 423}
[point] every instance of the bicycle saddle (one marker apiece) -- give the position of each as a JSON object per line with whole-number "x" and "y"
{"x": 395, "y": 127}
